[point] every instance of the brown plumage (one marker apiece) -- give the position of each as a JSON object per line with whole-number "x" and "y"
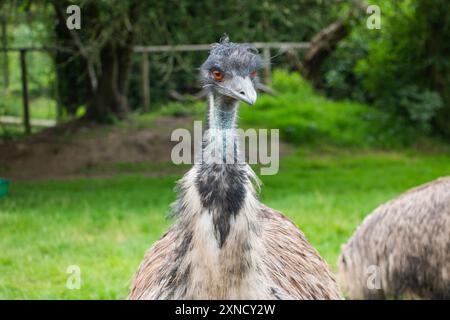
{"x": 294, "y": 266}
{"x": 402, "y": 249}
{"x": 224, "y": 243}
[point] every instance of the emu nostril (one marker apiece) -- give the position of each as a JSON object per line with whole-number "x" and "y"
{"x": 242, "y": 92}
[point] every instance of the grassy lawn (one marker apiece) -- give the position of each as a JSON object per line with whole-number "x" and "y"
{"x": 335, "y": 175}
{"x": 105, "y": 225}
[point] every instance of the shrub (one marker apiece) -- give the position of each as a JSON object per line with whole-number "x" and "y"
{"x": 402, "y": 68}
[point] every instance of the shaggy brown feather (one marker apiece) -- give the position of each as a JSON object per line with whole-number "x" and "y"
{"x": 402, "y": 249}
{"x": 293, "y": 264}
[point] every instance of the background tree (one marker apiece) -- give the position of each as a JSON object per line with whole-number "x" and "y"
{"x": 402, "y": 68}
{"x": 99, "y": 56}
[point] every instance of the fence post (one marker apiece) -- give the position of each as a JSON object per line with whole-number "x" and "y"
{"x": 145, "y": 82}
{"x": 58, "y": 100}
{"x": 4, "y": 36}
{"x": 26, "y": 111}
{"x": 267, "y": 66}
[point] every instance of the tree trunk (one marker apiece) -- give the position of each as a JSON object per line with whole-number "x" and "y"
{"x": 5, "y": 53}
{"x": 73, "y": 85}
{"x": 322, "y": 45}
{"x": 107, "y": 76}
{"x": 109, "y": 98}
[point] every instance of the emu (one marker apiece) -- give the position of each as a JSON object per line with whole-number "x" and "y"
{"x": 225, "y": 244}
{"x": 402, "y": 249}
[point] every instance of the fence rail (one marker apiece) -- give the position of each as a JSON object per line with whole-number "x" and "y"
{"x": 145, "y": 51}
{"x": 34, "y": 122}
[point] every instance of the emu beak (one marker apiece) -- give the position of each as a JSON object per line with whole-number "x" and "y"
{"x": 243, "y": 89}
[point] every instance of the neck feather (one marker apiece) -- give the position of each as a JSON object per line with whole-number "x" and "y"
{"x": 220, "y": 143}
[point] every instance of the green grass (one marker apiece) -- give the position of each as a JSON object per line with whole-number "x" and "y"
{"x": 335, "y": 176}
{"x": 40, "y": 107}
{"x": 105, "y": 225}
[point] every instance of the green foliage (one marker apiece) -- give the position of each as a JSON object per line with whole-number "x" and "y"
{"x": 27, "y": 28}
{"x": 40, "y": 107}
{"x": 179, "y": 109}
{"x": 404, "y": 67}
{"x": 106, "y": 225}
{"x": 339, "y": 78}
{"x": 8, "y": 132}
{"x": 421, "y": 105}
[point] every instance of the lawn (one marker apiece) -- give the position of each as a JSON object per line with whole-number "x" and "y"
{"x": 105, "y": 225}
{"x": 346, "y": 158}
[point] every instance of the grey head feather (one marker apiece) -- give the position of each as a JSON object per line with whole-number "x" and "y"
{"x": 231, "y": 59}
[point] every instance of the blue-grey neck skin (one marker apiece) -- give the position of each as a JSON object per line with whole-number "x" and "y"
{"x": 220, "y": 142}
{"x": 222, "y": 112}
{"x": 221, "y": 185}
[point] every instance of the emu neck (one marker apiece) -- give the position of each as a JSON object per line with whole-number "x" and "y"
{"x": 221, "y": 112}
{"x": 220, "y": 245}
{"x": 222, "y": 179}
{"x": 220, "y": 144}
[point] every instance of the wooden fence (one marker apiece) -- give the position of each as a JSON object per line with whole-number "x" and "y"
{"x": 145, "y": 51}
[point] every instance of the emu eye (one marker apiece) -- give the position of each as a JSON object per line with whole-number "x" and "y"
{"x": 217, "y": 75}
{"x": 253, "y": 74}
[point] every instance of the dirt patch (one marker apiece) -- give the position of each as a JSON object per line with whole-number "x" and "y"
{"x": 75, "y": 148}
{"x": 78, "y": 149}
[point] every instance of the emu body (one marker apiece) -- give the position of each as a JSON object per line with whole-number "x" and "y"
{"x": 225, "y": 244}
{"x": 402, "y": 249}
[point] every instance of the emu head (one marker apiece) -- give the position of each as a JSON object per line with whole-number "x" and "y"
{"x": 231, "y": 70}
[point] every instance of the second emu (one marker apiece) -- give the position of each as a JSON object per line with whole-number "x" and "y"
{"x": 402, "y": 249}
